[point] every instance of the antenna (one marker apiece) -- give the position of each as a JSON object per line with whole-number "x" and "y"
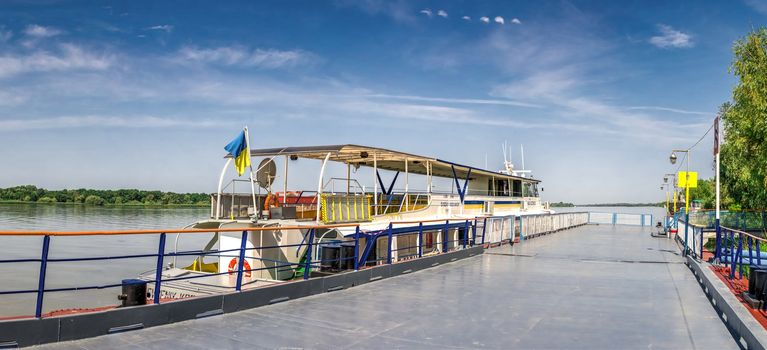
{"x": 522, "y": 148}
{"x": 503, "y": 150}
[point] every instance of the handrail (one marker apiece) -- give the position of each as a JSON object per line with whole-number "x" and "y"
{"x": 740, "y": 232}
{"x": 452, "y": 234}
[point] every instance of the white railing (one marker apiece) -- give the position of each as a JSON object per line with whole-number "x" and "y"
{"x": 545, "y": 223}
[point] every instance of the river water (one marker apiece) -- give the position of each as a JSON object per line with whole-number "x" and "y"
{"x": 52, "y": 217}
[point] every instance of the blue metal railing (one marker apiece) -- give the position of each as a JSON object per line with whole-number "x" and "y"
{"x": 620, "y": 218}
{"x": 465, "y": 233}
{"x": 732, "y": 246}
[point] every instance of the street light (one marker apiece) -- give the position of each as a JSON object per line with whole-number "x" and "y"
{"x": 672, "y": 159}
{"x": 672, "y": 187}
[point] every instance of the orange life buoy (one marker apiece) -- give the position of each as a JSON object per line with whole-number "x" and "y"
{"x": 271, "y": 201}
{"x": 245, "y": 267}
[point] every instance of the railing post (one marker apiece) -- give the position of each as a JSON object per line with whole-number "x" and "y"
{"x": 717, "y": 254}
{"x": 388, "y": 248}
{"x": 521, "y": 236}
{"x": 733, "y": 253}
{"x": 308, "y": 260}
{"x": 686, "y": 226}
{"x": 465, "y": 233}
{"x": 444, "y": 236}
{"x": 588, "y": 217}
{"x": 740, "y": 255}
{"x": 241, "y": 262}
{"x": 474, "y": 232}
{"x": 484, "y": 230}
{"x": 41, "y": 280}
{"x": 615, "y": 218}
{"x": 420, "y": 239}
{"x": 701, "y": 244}
{"x": 158, "y": 272}
{"x": 357, "y": 248}
{"x": 642, "y": 219}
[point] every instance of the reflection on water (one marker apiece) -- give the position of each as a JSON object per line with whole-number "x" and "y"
{"x": 45, "y": 217}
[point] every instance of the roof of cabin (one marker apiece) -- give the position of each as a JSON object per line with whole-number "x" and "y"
{"x": 385, "y": 159}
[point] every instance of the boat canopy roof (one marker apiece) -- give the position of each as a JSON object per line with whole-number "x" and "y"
{"x": 385, "y": 159}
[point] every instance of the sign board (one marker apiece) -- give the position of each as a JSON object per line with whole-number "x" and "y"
{"x": 682, "y": 179}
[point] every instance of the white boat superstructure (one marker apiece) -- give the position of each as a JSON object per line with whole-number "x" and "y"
{"x": 418, "y": 189}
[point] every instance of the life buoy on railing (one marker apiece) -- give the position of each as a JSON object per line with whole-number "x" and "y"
{"x": 245, "y": 267}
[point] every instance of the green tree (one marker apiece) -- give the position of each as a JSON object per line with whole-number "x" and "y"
{"x": 744, "y": 153}
{"x": 94, "y": 200}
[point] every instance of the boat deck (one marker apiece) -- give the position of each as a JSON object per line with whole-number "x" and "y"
{"x": 589, "y": 287}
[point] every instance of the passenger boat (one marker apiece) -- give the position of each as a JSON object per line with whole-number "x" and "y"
{"x": 421, "y": 189}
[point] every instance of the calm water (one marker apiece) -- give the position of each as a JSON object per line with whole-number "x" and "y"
{"x": 42, "y": 217}
{"x": 39, "y": 217}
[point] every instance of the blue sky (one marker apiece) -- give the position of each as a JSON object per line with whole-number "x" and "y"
{"x": 146, "y": 94}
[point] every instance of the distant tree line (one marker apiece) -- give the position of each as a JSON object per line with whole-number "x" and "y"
{"x": 30, "y": 193}
{"x": 623, "y": 205}
{"x": 561, "y": 205}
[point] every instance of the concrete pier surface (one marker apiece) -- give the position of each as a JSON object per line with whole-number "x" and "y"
{"x": 592, "y": 287}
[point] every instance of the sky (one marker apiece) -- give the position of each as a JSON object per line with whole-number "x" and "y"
{"x": 145, "y": 94}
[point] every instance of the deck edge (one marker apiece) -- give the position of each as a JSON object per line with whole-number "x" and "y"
{"x": 737, "y": 319}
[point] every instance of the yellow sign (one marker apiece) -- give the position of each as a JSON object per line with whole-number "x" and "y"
{"x": 682, "y": 179}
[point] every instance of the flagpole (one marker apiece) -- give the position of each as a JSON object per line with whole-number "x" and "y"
{"x": 252, "y": 182}
{"x": 717, "y": 142}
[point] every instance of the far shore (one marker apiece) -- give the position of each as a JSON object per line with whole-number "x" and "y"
{"x": 129, "y": 205}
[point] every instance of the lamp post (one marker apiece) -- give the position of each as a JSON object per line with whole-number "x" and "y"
{"x": 672, "y": 158}
{"x": 671, "y": 187}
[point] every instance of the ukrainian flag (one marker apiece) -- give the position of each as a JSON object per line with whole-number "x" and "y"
{"x": 238, "y": 148}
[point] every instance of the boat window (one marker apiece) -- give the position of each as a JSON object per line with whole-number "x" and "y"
{"x": 517, "y": 188}
{"x": 499, "y": 187}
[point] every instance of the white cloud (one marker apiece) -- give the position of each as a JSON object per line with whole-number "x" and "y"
{"x": 165, "y": 27}
{"x": 68, "y": 57}
{"x": 466, "y": 18}
{"x": 516, "y": 21}
{"x": 667, "y": 109}
{"x": 99, "y": 121}
{"x": 456, "y": 100}
{"x": 426, "y": 12}
{"x": 499, "y": 19}
{"x": 484, "y": 19}
{"x": 38, "y": 31}
{"x": 442, "y": 13}
{"x": 671, "y": 38}
{"x": 240, "y": 56}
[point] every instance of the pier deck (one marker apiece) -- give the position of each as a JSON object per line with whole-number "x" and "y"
{"x": 589, "y": 287}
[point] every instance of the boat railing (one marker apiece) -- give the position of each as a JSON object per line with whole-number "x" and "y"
{"x": 346, "y": 185}
{"x": 402, "y": 240}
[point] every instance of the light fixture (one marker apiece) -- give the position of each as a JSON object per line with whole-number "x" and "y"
{"x": 672, "y": 158}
